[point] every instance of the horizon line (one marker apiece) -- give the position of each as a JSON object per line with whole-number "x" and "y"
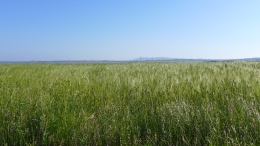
{"x": 136, "y": 59}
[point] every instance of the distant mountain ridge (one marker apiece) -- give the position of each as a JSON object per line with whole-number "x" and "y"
{"x": 256, "y": 58}
{"x": 141, "y": 59}
{"x": 200, "y": 59}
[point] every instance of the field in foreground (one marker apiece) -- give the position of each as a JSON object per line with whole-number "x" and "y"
{"x": 130, "y": 104}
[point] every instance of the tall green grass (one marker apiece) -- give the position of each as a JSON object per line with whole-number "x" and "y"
{"x": 130, "y": 104}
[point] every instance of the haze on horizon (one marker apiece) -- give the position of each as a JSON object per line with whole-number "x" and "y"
{"x": 123, "y": 30}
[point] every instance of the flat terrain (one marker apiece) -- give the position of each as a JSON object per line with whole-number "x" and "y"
{"x": 130, "y": 104}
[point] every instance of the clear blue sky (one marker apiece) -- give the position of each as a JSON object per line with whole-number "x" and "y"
{"x": 128, "y": 29}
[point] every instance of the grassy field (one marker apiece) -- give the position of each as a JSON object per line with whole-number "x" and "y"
{"x": 130, "y": 104}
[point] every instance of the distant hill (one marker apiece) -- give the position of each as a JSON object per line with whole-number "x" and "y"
{"x": 257, "y": 58}
{"x": 141, "y": 59}
{"x": 166, "y": 59}
{"x": 191, "y": 60}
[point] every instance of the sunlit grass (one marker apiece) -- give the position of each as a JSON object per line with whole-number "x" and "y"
{"x": 130, "y": 104}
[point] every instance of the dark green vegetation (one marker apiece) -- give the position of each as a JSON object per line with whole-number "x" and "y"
{"x": 130, "y": 104}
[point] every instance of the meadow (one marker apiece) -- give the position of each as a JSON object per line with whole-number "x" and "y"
{"x": 213, "y": 103}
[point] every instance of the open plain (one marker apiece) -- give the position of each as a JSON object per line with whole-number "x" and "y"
{"x": 214, "y": 103}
